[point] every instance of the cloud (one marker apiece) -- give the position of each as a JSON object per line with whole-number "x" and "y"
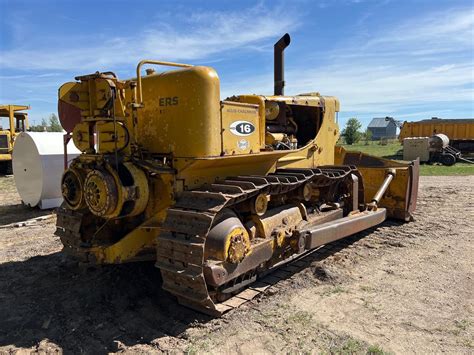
{"x": 199, "y": 36}
{"x": 419, "y": 65}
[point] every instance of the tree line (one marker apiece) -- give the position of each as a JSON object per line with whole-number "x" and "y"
{"x": 47, "y": 125}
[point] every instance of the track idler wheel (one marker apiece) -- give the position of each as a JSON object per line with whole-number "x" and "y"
{"x": 228, "y": 240}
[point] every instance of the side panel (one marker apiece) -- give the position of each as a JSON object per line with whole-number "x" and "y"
{"x": 240, "y": 128}
{"x": 181, "y": 113}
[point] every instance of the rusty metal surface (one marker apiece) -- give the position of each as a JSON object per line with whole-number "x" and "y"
{"x": 216, "y": 274}
{"x": 69, "y": 115}
{"x": 180, "y": 247}
{"x": 413, "y": 188}
{"x": 343, "y": 227}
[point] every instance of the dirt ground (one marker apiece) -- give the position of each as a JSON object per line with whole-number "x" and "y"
{"x": 399, "y": 288}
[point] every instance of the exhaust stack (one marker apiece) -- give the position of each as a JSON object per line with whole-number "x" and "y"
{"x": 279, "y": 61}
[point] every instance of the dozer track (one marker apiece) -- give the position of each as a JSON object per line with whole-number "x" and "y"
{"x": 180, "y": 245}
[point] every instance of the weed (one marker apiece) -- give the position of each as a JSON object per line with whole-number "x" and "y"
{"x": 375, "y": 350}
{"x": 197, "y": 346}
{"x": 301, "y": 317}
{"x": 334, "y": 290}
{"x": 462, "y": 324}
{"x": 350, "y": 346}
{"x": 467, "y": 343}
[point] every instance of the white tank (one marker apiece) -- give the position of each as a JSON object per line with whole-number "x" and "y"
{"x": 38, "y": 165}
{"x": 439, "y": 141}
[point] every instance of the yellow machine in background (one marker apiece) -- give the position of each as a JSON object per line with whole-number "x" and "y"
{"x": 215, "y": 192}
{"x": 17, "y": 122}
{"x": 459, "y": 131}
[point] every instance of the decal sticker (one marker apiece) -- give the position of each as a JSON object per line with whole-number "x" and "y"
{"x": 242, "y": 128}
{"x": 243, "y": 144}
{"x": 168, "y": 101}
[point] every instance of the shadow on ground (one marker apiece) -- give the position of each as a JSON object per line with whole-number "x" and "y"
{"x": 86, "y": 310}
{"x": 89, "y": 310}
{"x": 19, "y": 213}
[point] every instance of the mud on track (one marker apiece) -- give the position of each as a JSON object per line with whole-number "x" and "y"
{"x": 399, "y": 287}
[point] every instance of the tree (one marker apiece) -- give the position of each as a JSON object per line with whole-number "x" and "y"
{"x": 351, "y": 131}
{"x": 43, "y": 127}
{"x": 367, "y": 136}
{"x": 35, "y": 128}
{"x": 54, "y": 124}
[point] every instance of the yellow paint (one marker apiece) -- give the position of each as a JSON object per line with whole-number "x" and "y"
{"x": 179, "y": 133}
{"x": 181, "y": 113}
{"x": 248, "y": 116}
{"x": 110, "y": 137}
{"x": 454, "y": 129}
{"x": 395, "y": 200}
{"x": 127, "y": 248}
{"x": 17, "y": 122}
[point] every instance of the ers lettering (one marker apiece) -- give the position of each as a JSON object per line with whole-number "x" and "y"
{"x": 169, "y": 101}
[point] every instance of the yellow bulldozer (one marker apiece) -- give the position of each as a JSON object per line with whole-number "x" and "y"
{"x": 215, "y": 192}
{"x": 17, "y": 121}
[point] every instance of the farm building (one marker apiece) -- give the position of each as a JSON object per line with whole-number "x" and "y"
{"x": 383, "y": 127}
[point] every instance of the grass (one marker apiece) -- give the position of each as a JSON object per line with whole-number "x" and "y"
{"x": 374, "y": 148}
{"x": 333, "y": 290}
{"x": 375, "y": 350}
{"x": 390, "y": 151}
{"x": 462, "y": 324}
{"x": 353, "y": 346}
{"x": 300, "y": 317}
{"x": 198, "y": 346}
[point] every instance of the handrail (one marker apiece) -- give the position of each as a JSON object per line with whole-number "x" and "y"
{"x": 156, "y": 62}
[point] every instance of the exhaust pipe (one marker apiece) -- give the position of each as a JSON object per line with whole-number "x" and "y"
{"x": 278, "y": 60}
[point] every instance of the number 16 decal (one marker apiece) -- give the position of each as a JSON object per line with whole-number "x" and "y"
{"x": 242, "y": 128}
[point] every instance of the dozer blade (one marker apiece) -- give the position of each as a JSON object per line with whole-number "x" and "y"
{"x": 400, "y": 198}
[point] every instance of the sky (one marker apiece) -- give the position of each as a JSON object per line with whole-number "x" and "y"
{"x": 408, "y": 59}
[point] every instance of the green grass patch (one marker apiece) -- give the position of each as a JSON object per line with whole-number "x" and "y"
{"x": 462, "y": 324}
{"x": 334, "y": 290}
{"x": 390, "y": 151}
{"x": 456, "y": 169}
{"x": 374, "y": 148}
{"x": 300, "y": 317}
{"x": 348, "y": 347}
{"x": 351, "y": 346}
{"x": 375, "y": 350}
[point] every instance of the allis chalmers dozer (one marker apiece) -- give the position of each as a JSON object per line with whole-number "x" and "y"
{"x": 216, "y": 193}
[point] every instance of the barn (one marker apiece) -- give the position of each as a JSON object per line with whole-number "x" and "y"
{"x": 383, "y": 127}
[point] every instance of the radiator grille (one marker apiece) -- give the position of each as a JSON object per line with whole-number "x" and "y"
{"x": 3, "y": 144}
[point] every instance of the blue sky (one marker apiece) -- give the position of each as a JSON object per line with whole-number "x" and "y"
{"x": 407, "y": 59}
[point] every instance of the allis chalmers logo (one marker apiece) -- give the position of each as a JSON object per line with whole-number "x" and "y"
{"x": 242, "y": 128}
